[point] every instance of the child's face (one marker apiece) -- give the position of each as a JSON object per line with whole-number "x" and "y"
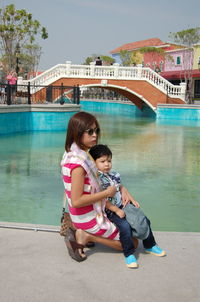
{"x": 104, "y": 163}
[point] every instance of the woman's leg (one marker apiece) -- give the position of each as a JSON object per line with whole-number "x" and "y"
{"x": 83, "y": 238}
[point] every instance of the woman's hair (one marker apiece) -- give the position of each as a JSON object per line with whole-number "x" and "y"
{"x": 98, "y": 151}
{"x": 77, "y": 125}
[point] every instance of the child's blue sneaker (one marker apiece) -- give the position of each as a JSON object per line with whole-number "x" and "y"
{"x": 131, "y": 261}
{"x": 156, "y": 250}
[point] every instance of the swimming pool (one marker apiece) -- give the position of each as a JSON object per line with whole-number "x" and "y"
{"x": 159, "y": 163}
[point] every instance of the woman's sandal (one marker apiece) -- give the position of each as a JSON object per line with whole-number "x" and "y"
{"x": 74, "y": 247}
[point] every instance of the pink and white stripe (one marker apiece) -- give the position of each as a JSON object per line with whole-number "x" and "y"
{"x": 85, "y": 217}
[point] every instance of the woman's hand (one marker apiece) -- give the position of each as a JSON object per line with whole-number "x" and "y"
{"x": 78, "y": 198}
{"x": 120, "y": 213}
{"x": 111, "y": 190}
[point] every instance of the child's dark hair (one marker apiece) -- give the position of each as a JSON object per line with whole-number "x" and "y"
{"x": 98, "y": 151}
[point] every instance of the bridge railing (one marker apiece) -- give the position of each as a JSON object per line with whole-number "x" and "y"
{"x": 109, "y": 72}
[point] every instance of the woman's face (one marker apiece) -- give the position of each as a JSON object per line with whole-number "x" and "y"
{"x": 89, "y": 137}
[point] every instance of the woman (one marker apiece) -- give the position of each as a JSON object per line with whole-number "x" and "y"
{"x": 86, "y": 201}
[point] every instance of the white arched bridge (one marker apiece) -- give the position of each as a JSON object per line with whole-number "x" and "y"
{"x": 140, "y": 85}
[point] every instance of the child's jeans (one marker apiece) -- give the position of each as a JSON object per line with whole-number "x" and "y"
{"x": 125, "y": 233}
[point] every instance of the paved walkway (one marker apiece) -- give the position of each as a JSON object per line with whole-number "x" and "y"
{"x": 35, "y": 267}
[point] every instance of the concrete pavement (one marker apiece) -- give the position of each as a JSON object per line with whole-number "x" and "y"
{"x": 35, "y": 267}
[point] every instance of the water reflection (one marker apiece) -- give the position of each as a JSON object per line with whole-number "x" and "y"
{"x": 158, "y": 162}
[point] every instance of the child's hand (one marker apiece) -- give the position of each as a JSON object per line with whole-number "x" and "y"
{"x": 127, "y": 197}
{"x": 111, "y": 191}
{"x": 135, "y": 203}
{"x": 120, "y": 213}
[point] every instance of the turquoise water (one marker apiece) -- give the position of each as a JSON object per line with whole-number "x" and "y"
{"x": 159, "y": 163}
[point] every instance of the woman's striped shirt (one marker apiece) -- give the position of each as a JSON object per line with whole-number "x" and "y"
{"x": 85, "y": 217}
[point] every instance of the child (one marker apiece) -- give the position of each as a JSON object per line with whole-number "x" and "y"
{"x": 86, "y": 201}
{"x": 127, "y": 215}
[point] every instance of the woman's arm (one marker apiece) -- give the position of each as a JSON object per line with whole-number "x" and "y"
{"x": 77, "y": 188}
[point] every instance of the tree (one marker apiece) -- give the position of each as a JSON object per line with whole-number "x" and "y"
{"x": 129, "y": 58}
{"x": 105, "y": 59}
{"x": 187, "y": 38}
{"x": 17, "y": 29}
{"x": 30, "y": 58}
{"x": 125, "y": 57}
{"x": 88, "y": 60}
{"x": 136, "y": 57}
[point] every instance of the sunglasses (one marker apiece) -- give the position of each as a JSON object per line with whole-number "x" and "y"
{"x": 91, "y": 131}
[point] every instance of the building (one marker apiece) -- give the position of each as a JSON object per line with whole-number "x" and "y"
{"x": 176, "y": 62}
{"x": 196, "y": 72}
{"x": 172, "y": 61}
{"x": 181, "y": 63}
{"x": 146, "y": 59}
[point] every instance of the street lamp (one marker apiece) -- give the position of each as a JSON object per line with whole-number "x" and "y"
{"x": 17, "y": 54}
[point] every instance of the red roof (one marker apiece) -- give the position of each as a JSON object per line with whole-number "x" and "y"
{"x": 139, "y": 44}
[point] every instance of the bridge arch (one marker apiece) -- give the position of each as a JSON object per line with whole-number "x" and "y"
{"x": 133, "y": 96}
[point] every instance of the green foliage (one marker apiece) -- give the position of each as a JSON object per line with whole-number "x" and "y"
{"x": 186, "y": 37}
{"x": 17, "y": 28}
{"x": 136, "y": 57}
{"x": 29, "y": 60}
{"x": 125, "y": 57}
{"x": 105, "y": 59}
{"x": 156, "y": 50}
{"x": 88, "y": 60}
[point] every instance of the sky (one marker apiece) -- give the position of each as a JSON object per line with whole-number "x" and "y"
{"x": 79, "y": 28}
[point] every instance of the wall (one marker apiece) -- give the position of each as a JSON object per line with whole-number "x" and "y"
{"x": 153, "y": 60}
{"x": 33, "y": 121}
{"x": 196, "y": 56}
{"x": 13, "y": 122}
{"x": 186, "y": 56}
{"x": 15, "y": 119}
{"x": 164, "y": 111}
{"x": 175, "y": 112}
{"x": 116, "y": 57}
{"x": 118, "y": 108}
